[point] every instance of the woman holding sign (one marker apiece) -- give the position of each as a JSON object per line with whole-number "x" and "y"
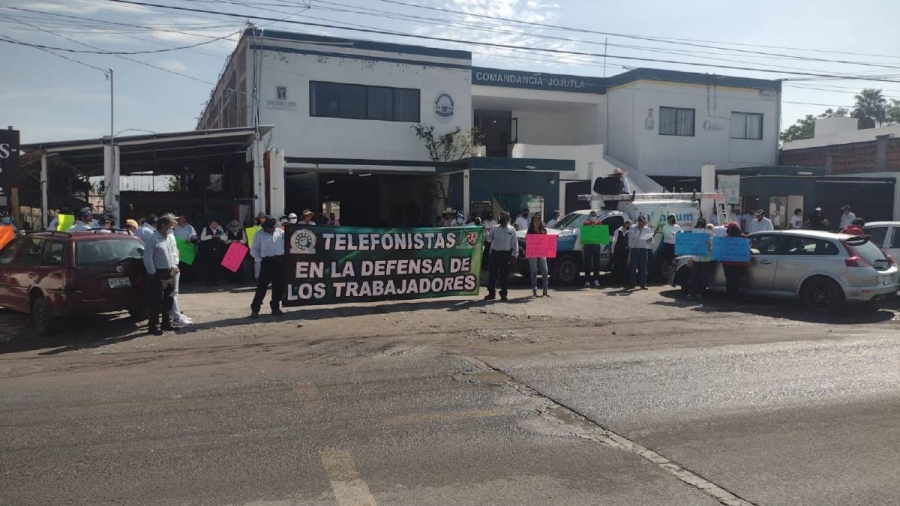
{"x": 537, "y": 227}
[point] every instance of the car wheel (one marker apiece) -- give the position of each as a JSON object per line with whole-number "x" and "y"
{"x": 139, "y": 313}
{"x": 822, "y": 294}
{"x": 565, "y": 270}
{"x": 40, "y": 316}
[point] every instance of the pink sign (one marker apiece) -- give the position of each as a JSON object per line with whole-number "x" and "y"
{"x": 540, "y": 246}
{"x": 234, "y": 256}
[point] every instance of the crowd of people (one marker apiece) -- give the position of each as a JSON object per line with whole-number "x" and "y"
{"x": 755, "y": 220}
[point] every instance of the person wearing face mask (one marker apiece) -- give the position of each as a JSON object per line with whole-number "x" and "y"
{"x": 292, "y": 218}
{"x": 640, "y": 239}
{"x": 701, "y": 264}
{"x": 592, "y": 255}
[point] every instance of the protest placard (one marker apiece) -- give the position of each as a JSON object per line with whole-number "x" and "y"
{"x": 328, "y": 265}
{"x": 234, "y": 256}
{"x": 692, "y": 243}
{"x": 594, "y": 234}
{"x": 187, "y": 251}
{"x": 540, "y": 245}
{"x": 731, "y": 249}
{"x": 6, "y": 234}
{"x": 250, "y": 233}
{"x": 65, "y": 222}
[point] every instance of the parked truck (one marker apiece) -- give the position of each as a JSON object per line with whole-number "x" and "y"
{"x": 569, "y": 261}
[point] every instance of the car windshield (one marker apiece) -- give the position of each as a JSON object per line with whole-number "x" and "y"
{"x": 572, "y": 220}
{"x": 110, "y": 251}
{"x": 868, "y": 251}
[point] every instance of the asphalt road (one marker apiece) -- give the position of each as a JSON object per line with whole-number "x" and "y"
{"x": 589, "y": 397}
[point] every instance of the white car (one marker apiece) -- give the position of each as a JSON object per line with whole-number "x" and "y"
{"x": 885, "y": 235}
{"x": 822, "y": 269}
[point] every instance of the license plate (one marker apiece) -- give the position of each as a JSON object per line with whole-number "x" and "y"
{"x": 119, "y": 282}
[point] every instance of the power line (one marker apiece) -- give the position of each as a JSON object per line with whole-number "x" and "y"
{"x": 6, "y": 38}
{"x": 504, "y": 46}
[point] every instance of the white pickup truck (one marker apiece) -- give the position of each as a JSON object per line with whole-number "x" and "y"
{"x": 568, "y": 264}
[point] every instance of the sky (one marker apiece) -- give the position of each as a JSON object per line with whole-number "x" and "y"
{"x": 50, "y": 98}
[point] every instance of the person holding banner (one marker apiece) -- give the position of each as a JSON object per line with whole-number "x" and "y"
{"x": 640, "y": 239}
{"x": 268, "y": 252}
{"x": 212, "y": 249}
{"x": 504, "y": 250}
{"x": 701, "y": 264}
{"x": 537, "y": 227}
{"x": 733, "y": 270}
{"x": 620, "y": 254}
{"x": 592, "y": 254}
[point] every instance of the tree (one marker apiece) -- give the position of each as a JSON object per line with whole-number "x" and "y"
{"x": 803, "y": 129}
{"x": 870, "y": 108}
{"x": 893, "y": 112}
{"x": 451, "y": 146}
{"x": 839, "y": 113}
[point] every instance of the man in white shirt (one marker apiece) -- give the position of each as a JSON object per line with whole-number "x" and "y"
{"x": 179, "y": 319}
{"x": 521, "y": 222}
{"x": 761, "y": 223}
{"x": 159, "y": 260}
{"x": 84, "y": 221}
{"x": 552, "y": 223}
{"x": 667, "y": 249}
{"x": 797, "y": 219}
{"x": 489, "y": 223}
{"x": 847, "y": 218}
{"x": 640, "y": 239}
{"x": 504, "y": 251}
{"x": 185, "y": 231}
{"x": 267, "y": 250}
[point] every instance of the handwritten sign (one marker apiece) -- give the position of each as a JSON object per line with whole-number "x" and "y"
{"x": 540, "y": 246}
{"x": 250, "y": 233}
{"x": 234, "y": 256}
{"x": 731, "y": 249}
{"x": 6, "y": 234}
{"x": 694, "y": 243}
{"x": 65, "y": 222}
{"x": 187, "y": 252}
{"x": 594, "y": 234}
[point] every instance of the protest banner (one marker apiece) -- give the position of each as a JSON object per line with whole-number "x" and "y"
{"x": 7, "y": 234}
{"x": 594, "y": 234}
{"x": 250, "y": 233}
{"x": 692, "y": 243}
{"x": 540, "y": 245}
{"x": 234, "y": 256}
{"x": 731, "y": 249}
{"x": 327, "y": 265}
{"x": 65, "y": 222}
{"x": 187, "y": 251}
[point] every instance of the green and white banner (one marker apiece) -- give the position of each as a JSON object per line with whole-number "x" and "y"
{"x": 331, "y": 265}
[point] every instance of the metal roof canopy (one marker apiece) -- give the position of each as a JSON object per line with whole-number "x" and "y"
{"x": 161, "y": 153}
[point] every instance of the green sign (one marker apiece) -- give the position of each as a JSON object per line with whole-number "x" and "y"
{"x": 187, "y": 252}
{"x": 328, "y": 265}
{"x": 594, "y": 234}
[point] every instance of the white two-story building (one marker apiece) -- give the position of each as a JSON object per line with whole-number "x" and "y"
{"x": 344, "y": 113}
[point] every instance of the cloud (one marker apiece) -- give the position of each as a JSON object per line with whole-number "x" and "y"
{"x": 87, "y": 7}
{"x": 173, "y": 65}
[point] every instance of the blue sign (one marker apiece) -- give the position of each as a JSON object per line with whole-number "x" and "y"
{"x": 537, "y": 80}
{"x": 692, "y": 243}
{"x": 731, "y": 249}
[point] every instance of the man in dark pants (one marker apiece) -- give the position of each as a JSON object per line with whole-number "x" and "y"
{"x": 504, "y": 251}
{"x": 159, "y": 260}
{"x": 268, "y": 251}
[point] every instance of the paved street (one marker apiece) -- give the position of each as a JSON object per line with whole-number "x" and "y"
{"x": 588, "y": 397}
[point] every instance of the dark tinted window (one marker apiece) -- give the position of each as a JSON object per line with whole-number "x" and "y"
{"x": 30, "y": 253}
{"x": 674, "y": 121}
{"x": 895, "y": 239}
{"x": 53, "y": 253}
{"x": 810, "y": 246}
{"x": 766, "y": 244}
{"x": 355, "y": 101}
{"x": 105, "y": 252}
{"x": 9, "y": 251}
{"x": 877, "y": 234}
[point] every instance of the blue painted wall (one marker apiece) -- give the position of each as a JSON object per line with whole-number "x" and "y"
{"x": 483, "y": 184}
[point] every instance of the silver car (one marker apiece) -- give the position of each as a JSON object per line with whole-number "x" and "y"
{"x": 822, "y": 269}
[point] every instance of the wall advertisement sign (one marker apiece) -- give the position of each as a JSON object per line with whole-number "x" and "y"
{"x": 330, "y": 265}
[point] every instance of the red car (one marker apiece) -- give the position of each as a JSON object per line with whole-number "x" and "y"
{"x": 53, "y": 274}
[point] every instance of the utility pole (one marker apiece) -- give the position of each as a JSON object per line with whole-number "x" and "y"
{"x": 605, "y": 42}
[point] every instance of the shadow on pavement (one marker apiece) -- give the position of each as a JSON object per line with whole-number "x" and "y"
{"x": 716, "y": 302}
{"x": 75, "y": 333}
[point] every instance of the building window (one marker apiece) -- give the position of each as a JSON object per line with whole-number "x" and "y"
{"x": 675, "y": 121}
{"x": 356, "y": 101}
{"x": 746, "y": 125}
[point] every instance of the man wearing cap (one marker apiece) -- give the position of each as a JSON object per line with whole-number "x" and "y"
{"x": 161, "y": 265}
{"x": 268, "y": 251}
{"x": 617, "y": 173}
{"x": 179, "y": 319}
{"x": 307, "y": 217}
{"x": 761, "y": 223}
{"x": 817, "y": 221}
{"x": 83, "y": 222}
{"x": 847, "y": 217}
{"x": 553, "y": 221}
{"x": 640, "y": 239}
{"x": 292, "y": 218}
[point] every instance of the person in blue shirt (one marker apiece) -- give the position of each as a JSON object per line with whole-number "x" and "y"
{"x": 161, "y": 264}
{"x": 267, "y": 251}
